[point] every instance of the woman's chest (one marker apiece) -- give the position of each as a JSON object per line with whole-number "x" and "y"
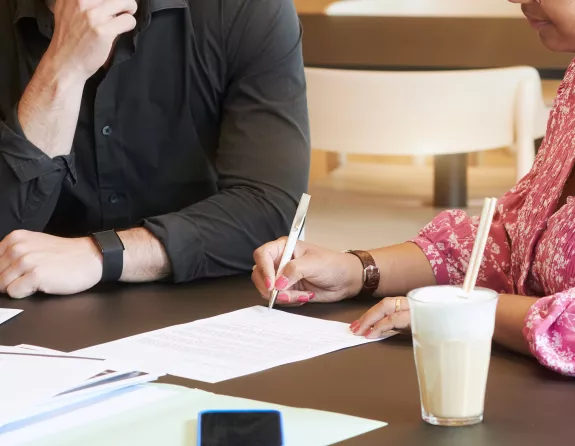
{"x": 553, "y": 262}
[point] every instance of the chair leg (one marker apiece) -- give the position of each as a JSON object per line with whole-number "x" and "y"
{"x": 538, "y": 143}
{"x": 450, "y": 181}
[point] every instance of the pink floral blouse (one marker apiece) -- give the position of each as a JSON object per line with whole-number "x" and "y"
{"x": 531, "y": 247}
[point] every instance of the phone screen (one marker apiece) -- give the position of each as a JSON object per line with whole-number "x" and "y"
{"x": 257, "y": 428}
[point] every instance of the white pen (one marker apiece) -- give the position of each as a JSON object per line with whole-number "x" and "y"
{"x": 294, "y": 235}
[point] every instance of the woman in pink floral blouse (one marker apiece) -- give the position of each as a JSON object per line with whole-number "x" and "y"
{"x": 530, "y": 256}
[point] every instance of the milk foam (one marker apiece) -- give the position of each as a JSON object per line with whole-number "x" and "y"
{"x": 441, "y": 313}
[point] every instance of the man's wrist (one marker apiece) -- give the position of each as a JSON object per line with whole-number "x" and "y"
{"x": 112, "y": 250}
{"x": 59, "y": 72}
{"x": 95, "y": 254}
{"x": 145, "y": 258}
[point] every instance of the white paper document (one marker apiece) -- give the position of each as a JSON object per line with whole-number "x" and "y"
{"x": 36, "y": 380}
{"x": 8, "y": 313}
{"x": 62, "y": 419}
{"x": 166, "y": 415}
{"x": 230, "y": 345}
{"x": 27, "y": 381}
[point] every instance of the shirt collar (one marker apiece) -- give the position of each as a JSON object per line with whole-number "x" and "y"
{"x": 147, "y": 7}
{"x": 158, "y": 5}
{"x": 37, "y": 8}
{"x": 25, "y": 9}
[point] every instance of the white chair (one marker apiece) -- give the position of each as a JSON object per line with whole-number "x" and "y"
{"x": 426, "y": 113}
{"x": 425, "y": 8}
{"x": 436, "y": 8}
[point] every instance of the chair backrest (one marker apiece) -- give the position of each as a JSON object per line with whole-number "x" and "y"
{"x": 421, "y": 113}
{"x": 425, "y": 8}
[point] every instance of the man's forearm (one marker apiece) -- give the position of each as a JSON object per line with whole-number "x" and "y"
{"x": 145, "y": 259}
{"x": 48, "y": 110}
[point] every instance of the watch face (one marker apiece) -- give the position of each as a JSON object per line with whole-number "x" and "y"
{"x": 371, "y": 277}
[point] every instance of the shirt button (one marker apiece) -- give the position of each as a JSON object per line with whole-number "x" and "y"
{"x": 113, "y": 198}
{"x": 107, "y": 131}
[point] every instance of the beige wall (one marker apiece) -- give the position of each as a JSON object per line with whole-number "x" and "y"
{"x": 311, "y": 5}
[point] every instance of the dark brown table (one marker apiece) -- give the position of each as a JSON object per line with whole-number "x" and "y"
{"x": 423, "y": 43}
{"x": 526, "y": 404}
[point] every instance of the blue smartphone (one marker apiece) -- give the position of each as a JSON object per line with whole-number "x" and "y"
{"x": 240, "y": 428}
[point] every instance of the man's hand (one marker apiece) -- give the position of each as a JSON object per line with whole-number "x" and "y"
{"x": 85, "y": 32}
{"x": 33, "y": 261}
{"x": 83, "y": 40}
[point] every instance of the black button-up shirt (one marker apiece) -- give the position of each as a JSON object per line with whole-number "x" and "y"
{"x": 197, "y": 130}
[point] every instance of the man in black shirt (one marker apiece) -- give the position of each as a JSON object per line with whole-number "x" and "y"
{"x": 181, "y": 125}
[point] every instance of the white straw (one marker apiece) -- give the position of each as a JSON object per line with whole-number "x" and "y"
{"x": 473, "y": 257}
{"x": 489, "y": 206}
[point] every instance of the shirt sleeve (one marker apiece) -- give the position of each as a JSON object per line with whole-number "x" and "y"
{"x": 30, "y": 181}
{"x": 263, "y": 154}
{"x": 447, "y": 241}
{"x": 550, "y": 331}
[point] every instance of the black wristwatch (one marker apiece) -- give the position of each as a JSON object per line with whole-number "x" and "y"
{"x": 112, "y": 253}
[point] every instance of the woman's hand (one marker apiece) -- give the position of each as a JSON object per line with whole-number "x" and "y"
{"x": 315, "y": 273}
{"x": 392, "y": 313}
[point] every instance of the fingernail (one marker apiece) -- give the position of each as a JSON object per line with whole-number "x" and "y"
{"x": 282, "y": 282}
{"x": 356, "y": 329}
{"x": 303, "y": 299}
{"x": 268, "y": 283}
{"x": 353, "y": 324}
{"x": 283, "y": 297}
{"x": 311, "y": 296}
{"x": 368, "y": 332}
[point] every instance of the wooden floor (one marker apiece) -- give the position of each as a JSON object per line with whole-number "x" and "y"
{"x": 366, "y": 206}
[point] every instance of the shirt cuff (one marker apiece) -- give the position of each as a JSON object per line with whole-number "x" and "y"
{"x": 547, "y": 329}
{"x": 435, "y": 259}
{"x": 180, "y": 238}
{"x": 26, "y": 160}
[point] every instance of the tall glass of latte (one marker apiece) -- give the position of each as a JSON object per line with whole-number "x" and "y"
{"x": 452, "y": 344}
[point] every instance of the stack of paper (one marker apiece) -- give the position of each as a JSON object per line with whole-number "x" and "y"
{"x": 8, "y": 313}
{"x": 160, "y": 414}
{"x": 230, "y": 345}
{"x": 34, "y": 380}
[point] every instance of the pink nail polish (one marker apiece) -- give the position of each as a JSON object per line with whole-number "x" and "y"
{"x": 356, "y": 329}
{"x": 353, "y": 324}
{"x": 303, "y": 299}
{"x": 268, "y": 283}
{"x": 283, "y": 297}
{"x": 311, "y": 296}
{"x": 282, "y": 283}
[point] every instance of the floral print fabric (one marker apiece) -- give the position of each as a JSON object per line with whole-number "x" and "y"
{"x": 531, "y": 247}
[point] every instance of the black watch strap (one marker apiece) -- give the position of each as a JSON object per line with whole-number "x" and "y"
{"x": 112, "y": 253}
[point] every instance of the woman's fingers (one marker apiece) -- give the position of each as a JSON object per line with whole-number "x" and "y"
{"x": 297, "y": 270}
{"x": 396, "y": 321}
{"x": 259, "y": 282}
{"x": 293, "y": 298}
{"x": 383, "y": 309}
{"x": 266, "y": 257}
{"x": 286, "y": 297}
